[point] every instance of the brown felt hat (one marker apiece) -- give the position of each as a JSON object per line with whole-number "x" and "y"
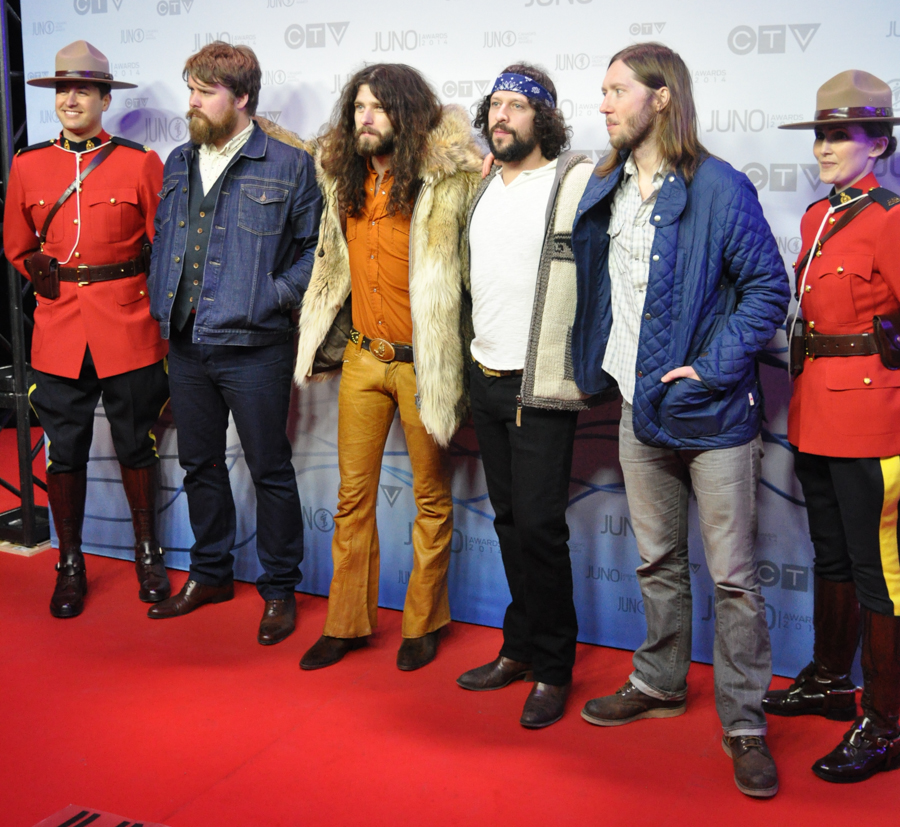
{"x": 81, "y": 61}
{"x": 850, "y": 97}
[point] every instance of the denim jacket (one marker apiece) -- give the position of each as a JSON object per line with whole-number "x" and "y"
{"x": 261, "y": 246}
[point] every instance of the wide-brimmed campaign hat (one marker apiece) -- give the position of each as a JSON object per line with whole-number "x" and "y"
{"x": 853, "y": 96}
{"x": 81, "y": 61}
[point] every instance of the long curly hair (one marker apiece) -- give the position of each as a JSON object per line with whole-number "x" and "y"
{"x": 414, "y": 111}
{"x": 549, "y": 124}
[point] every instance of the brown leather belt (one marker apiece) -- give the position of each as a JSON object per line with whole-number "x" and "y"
{"x": 852, "y": 344}
{"x": 494, "y": 373}
{"x": 89, "y": 273}
{"x": 382, "y": 349}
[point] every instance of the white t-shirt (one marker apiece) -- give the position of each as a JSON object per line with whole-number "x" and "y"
{"x": 505, "y": 241}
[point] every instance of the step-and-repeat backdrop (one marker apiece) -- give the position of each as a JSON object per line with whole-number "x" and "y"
{"x": 754, "y": 67}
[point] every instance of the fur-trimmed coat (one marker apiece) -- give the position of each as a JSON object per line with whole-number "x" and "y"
{"x": 450, "y": 172}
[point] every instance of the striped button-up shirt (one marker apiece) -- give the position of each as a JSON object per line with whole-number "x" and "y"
{"x": 631, "y": 238}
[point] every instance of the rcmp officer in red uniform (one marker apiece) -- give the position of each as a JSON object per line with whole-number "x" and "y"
{"x": 844, "y": 425}
{"x": 93, "y": 332}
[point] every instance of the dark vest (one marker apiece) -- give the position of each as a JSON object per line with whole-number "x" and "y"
{"x": 200, "y": 215}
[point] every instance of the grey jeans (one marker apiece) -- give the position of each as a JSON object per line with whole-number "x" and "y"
{"x": 724, "y": 481}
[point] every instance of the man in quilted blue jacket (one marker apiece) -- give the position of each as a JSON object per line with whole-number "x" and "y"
{"x": 680, "y": 286}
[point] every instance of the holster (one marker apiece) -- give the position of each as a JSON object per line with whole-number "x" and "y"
{"x": 44, "y": 272}
{"x": 887, "y": 338}
{"x": 797, "y": 352}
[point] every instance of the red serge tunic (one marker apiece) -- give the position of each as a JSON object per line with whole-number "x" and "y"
{"x": 114, "y": 213}
{"x": 849, "y": 406}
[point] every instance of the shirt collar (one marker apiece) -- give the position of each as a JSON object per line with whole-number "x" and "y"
{"x": 231, "y": 147}
{"x": 631, "y": 168}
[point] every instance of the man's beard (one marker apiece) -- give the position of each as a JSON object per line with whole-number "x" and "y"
{"x": 516, "y": 149}
{"x": 635, "y": 130}
{"x": 368, "y": 148}
{"x": 206, "y": 131}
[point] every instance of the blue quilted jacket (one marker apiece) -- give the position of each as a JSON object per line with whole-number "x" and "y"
{"x": 716, "y": 294}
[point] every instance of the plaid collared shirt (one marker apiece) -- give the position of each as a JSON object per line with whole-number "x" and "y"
{"x": 631, "y": 238}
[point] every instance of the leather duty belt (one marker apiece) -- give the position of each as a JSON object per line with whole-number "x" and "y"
{"x": 86, "y": 274}
{"x": 495, "y": 373}
{"x": 382, "y": 349}
{"x": 853, "y": 344}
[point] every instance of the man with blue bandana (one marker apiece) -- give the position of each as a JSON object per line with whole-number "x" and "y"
{"x": 524, "y": 401}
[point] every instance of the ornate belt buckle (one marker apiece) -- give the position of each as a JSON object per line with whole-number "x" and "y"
{"x": 382, "y": 350}
{"x": 84, "y": 280}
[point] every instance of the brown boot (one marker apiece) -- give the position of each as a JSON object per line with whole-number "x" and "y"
{"x": 872, "y": 744}
{"x": 140, "y": 488}
{"x": 66, "y": 493}
{"x": 824, "y": 686}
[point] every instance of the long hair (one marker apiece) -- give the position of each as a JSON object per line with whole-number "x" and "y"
{"x": 549, "y": 125}
{"x": 655, "y": 66}
{"x": 414, "y": 111}
{"x": 234, "y": 67}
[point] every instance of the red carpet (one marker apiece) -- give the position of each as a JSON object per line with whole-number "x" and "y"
{"x": 191, "y": 723}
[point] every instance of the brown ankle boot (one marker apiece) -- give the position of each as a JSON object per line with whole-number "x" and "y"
{"x": 66, "y": 494}
{"x": 140, "y": 488}
{"x": 872, "y": 744}
{"x": 824, "y": 686}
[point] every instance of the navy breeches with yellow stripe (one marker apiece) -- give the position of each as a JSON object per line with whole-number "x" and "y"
{"x": 132, "y": 400}
{"x": 853, "y": 508}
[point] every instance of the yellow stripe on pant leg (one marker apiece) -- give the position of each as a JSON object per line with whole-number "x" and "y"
{"x": 31, "y": 390}
{"x": 887, "y": 535}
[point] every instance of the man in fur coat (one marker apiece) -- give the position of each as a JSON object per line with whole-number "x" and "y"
{"x": 397, "y": 172}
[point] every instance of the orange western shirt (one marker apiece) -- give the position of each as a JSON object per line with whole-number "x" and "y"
{"x": 378, "y": 244}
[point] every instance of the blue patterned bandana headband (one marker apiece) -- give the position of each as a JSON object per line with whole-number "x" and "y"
{"x": 524, "y": 85}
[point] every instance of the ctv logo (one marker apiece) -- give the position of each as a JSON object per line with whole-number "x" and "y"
{"x": 781, "y": 177}
{"x": 312, "y": 35}
{"x": 770, "y": 40}
{"x": 96, "y": 6}
{"x": 164, "y": 7}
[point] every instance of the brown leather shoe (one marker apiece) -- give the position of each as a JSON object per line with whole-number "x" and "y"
{"x": 278, "y": 621}
{"x": 544, "y": 705}
{"x": 630, "y": 704}
{"x": 327, "y": 651}
{"x": 495, "y": 675}
{"x": 754, "y": 768}
{"x": 416, "y": 652}
{"x": 192, "y": 596}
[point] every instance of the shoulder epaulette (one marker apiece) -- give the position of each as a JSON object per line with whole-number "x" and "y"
{"x": 884, "y": 197}
{"x": 115, "y": 139}
{"x": 41, "y": 145}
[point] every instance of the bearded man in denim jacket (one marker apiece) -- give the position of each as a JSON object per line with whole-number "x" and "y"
{"x": 236, "y": 231}
{"x": 680, "y": 286}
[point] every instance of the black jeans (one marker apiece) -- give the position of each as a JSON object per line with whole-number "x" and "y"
{"x": 254, "y": 384}
{"x": 527, "y": 468}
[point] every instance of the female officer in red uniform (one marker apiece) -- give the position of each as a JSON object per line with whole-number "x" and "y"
{"x": 96, "y": 336}
{"x": 844, "y": 425}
